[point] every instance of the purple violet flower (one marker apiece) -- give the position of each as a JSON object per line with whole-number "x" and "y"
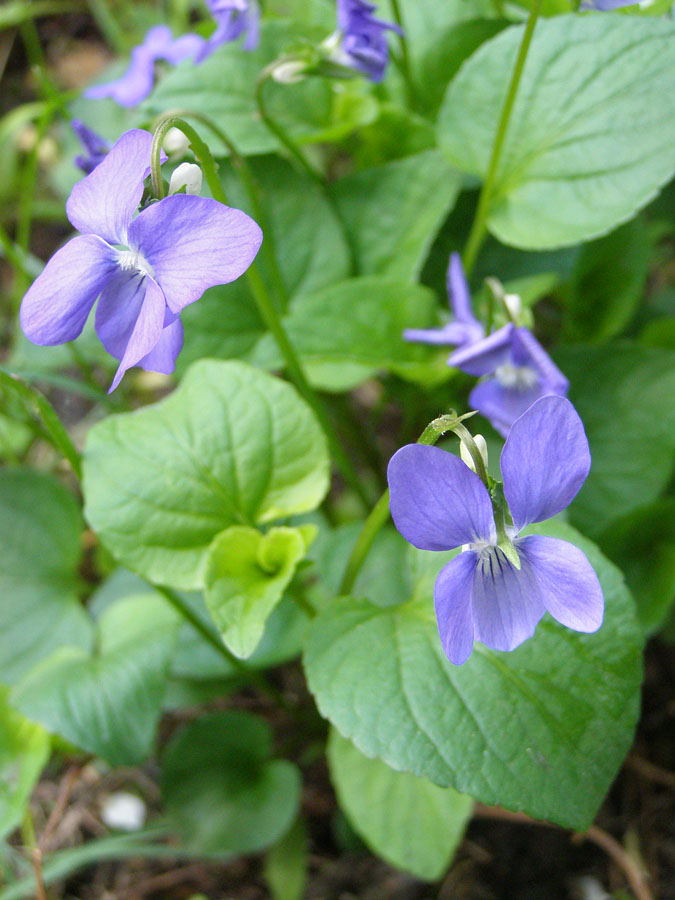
{"x": 360, "y": 42}
{"x": 438, "y": 503}
{"x": 138, "y": 80}
{"x": 464, "y": 329}
{"x": 144, "y": 270}
{"x": 520, "y": 371}
{"x": 95, "y": 146}
{"x": 606, "y": 5}
{"x": 233, "y": 18}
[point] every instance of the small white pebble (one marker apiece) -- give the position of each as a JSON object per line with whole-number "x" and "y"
{"x": 588, "y": 888}
{"x": 123, "y": 811}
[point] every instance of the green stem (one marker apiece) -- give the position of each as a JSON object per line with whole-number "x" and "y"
{"x": 479, "y": 227}
{"x": 281, "y": 132}
{"x": 405, "y": 66}
{"x": 186, "y": 612}
{"x": 253, "y": 191}
{"x": 262, "y": 298}
{"x": 380, "y": 512}
{"x": 107, "y": 23}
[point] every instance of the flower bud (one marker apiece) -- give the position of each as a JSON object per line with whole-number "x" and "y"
{"x": 175, "y": 142}
{"x": 514, "y": 305}
{"x": 465, "y": 454}
{"x": 289, "y": 71}
{"x": 187, "y": 175}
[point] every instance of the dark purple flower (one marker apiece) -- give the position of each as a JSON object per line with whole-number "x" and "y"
{"x": 95, "y": 146}
{"x": 464, "y": 328}
{"x": 144, "y": 270}
{"x": 138, "y": 80}
{"x": 520, "y": 371}
{"x": 233, "y": 18}
{"x": 438, "y": 503}
{"x": 360, "y": 42}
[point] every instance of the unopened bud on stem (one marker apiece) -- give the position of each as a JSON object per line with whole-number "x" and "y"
{"x": 187, "y": 175}
{"x": 465, "y": 453}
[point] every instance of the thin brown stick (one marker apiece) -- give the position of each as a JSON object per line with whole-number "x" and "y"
{"x": 651, "y": 771}
{"x": 602, "y": 839}
{"x": 59, "y": 808}
{"x": 36, "y": 857}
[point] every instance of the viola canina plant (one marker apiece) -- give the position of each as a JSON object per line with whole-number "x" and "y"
{"x": 268, "y": 505}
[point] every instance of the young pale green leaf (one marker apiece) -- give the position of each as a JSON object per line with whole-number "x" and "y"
{"x": 412, "y": 823}
{"x": 625, "y": 395}
{"x": 24, "y": 751}
{"x": 245, "y": 576}
{"x": 542, "y": 729}
{"x": 231, "y": 446}
{"x": 591, "y": 133}
{"x": 393, "y": 211}
{"x": 286, "y": 864}
{"x": 222, "y": 791}
{"x": 40, "y": 527}
{"x": 107, "y": 703}
{"x": 359, "y": 323}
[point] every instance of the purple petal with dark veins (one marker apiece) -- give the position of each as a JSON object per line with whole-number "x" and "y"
{"x": 437, "y": 502}
{"x": 545, "y": 460}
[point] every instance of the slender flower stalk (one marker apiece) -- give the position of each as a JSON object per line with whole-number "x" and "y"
{"x": 479, "y": 227}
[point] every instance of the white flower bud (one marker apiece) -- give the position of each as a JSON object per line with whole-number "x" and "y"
{"x": 289, "y": 71}
{"x": 175, "y": 142}
{"x": 514, "y": 305}
{"x": 187, "y": 174}
{"x": 479, "y": 441}
{"x": 123, "y": 811}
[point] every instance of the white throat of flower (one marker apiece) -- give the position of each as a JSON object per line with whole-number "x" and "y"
{"x": 134, "y": 261}
{"x": 519, "y": 377}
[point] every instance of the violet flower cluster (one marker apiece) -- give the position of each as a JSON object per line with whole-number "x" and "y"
{"x": 143, "y": 269}
{"x": 233, "y": 18}
{"x": 515, "y": 368}
{"x": 439, "y": 503}
{"x": 360, "y": 42}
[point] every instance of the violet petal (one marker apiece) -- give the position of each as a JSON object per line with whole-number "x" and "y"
{"x": 162, "y": 358}
{"x": 568, "y": 586}
{"x": 58, "y": 302}
{"x": 483, "y": 357}
{"x": 193, "y": 243}
{"x": 452, "y": 601}
{"x": 437, "y": 502}
{"x": 147, "y": 330}
{"x": 105, "y": 201}
{"x": 118, "y": 309}
{"x": 545, "y": 460}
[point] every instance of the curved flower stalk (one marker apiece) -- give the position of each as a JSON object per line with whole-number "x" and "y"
{"x": 487, "y": 593}
{"x": 144, "y": 269}
{"x": 233, "y": 18}
{"x": 360, "y": 42}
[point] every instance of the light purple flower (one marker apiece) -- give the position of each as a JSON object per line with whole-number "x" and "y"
{"x": 606, "y": 5}
{"x": 438, "y": 503}
{"x": 520, "y": 371}
{"x": 361, "y": 41}
{"x": 95, "y": 146}
{"x": 144, "y": 269}
{"x": 464, "y": 329}
{"x": 233, "y": 18}
{"x": 138, "y": 80}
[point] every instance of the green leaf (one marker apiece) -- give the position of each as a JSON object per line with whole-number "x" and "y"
{"x": 231, "y": 446}
{"x": 392, "y": 212}
{"x": 359, "y": 322}
{"x": 591, "y": 133}
{"x": 412, "y": 823}
{"x": 625, "y": 395}
{"x": 24, "y": 751}
{"x": 225, "y": 92}
{"x": 607, "y": 283}
{"x": 40, "y": 527}
{"x": 542, "y": 729}
{"x": 286, "y": 864}
{"x": 107, "y": 703}
{"x": 222, "y": 791}
{"x": 643, "y": 544}
{"x": 245, "y": 576}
